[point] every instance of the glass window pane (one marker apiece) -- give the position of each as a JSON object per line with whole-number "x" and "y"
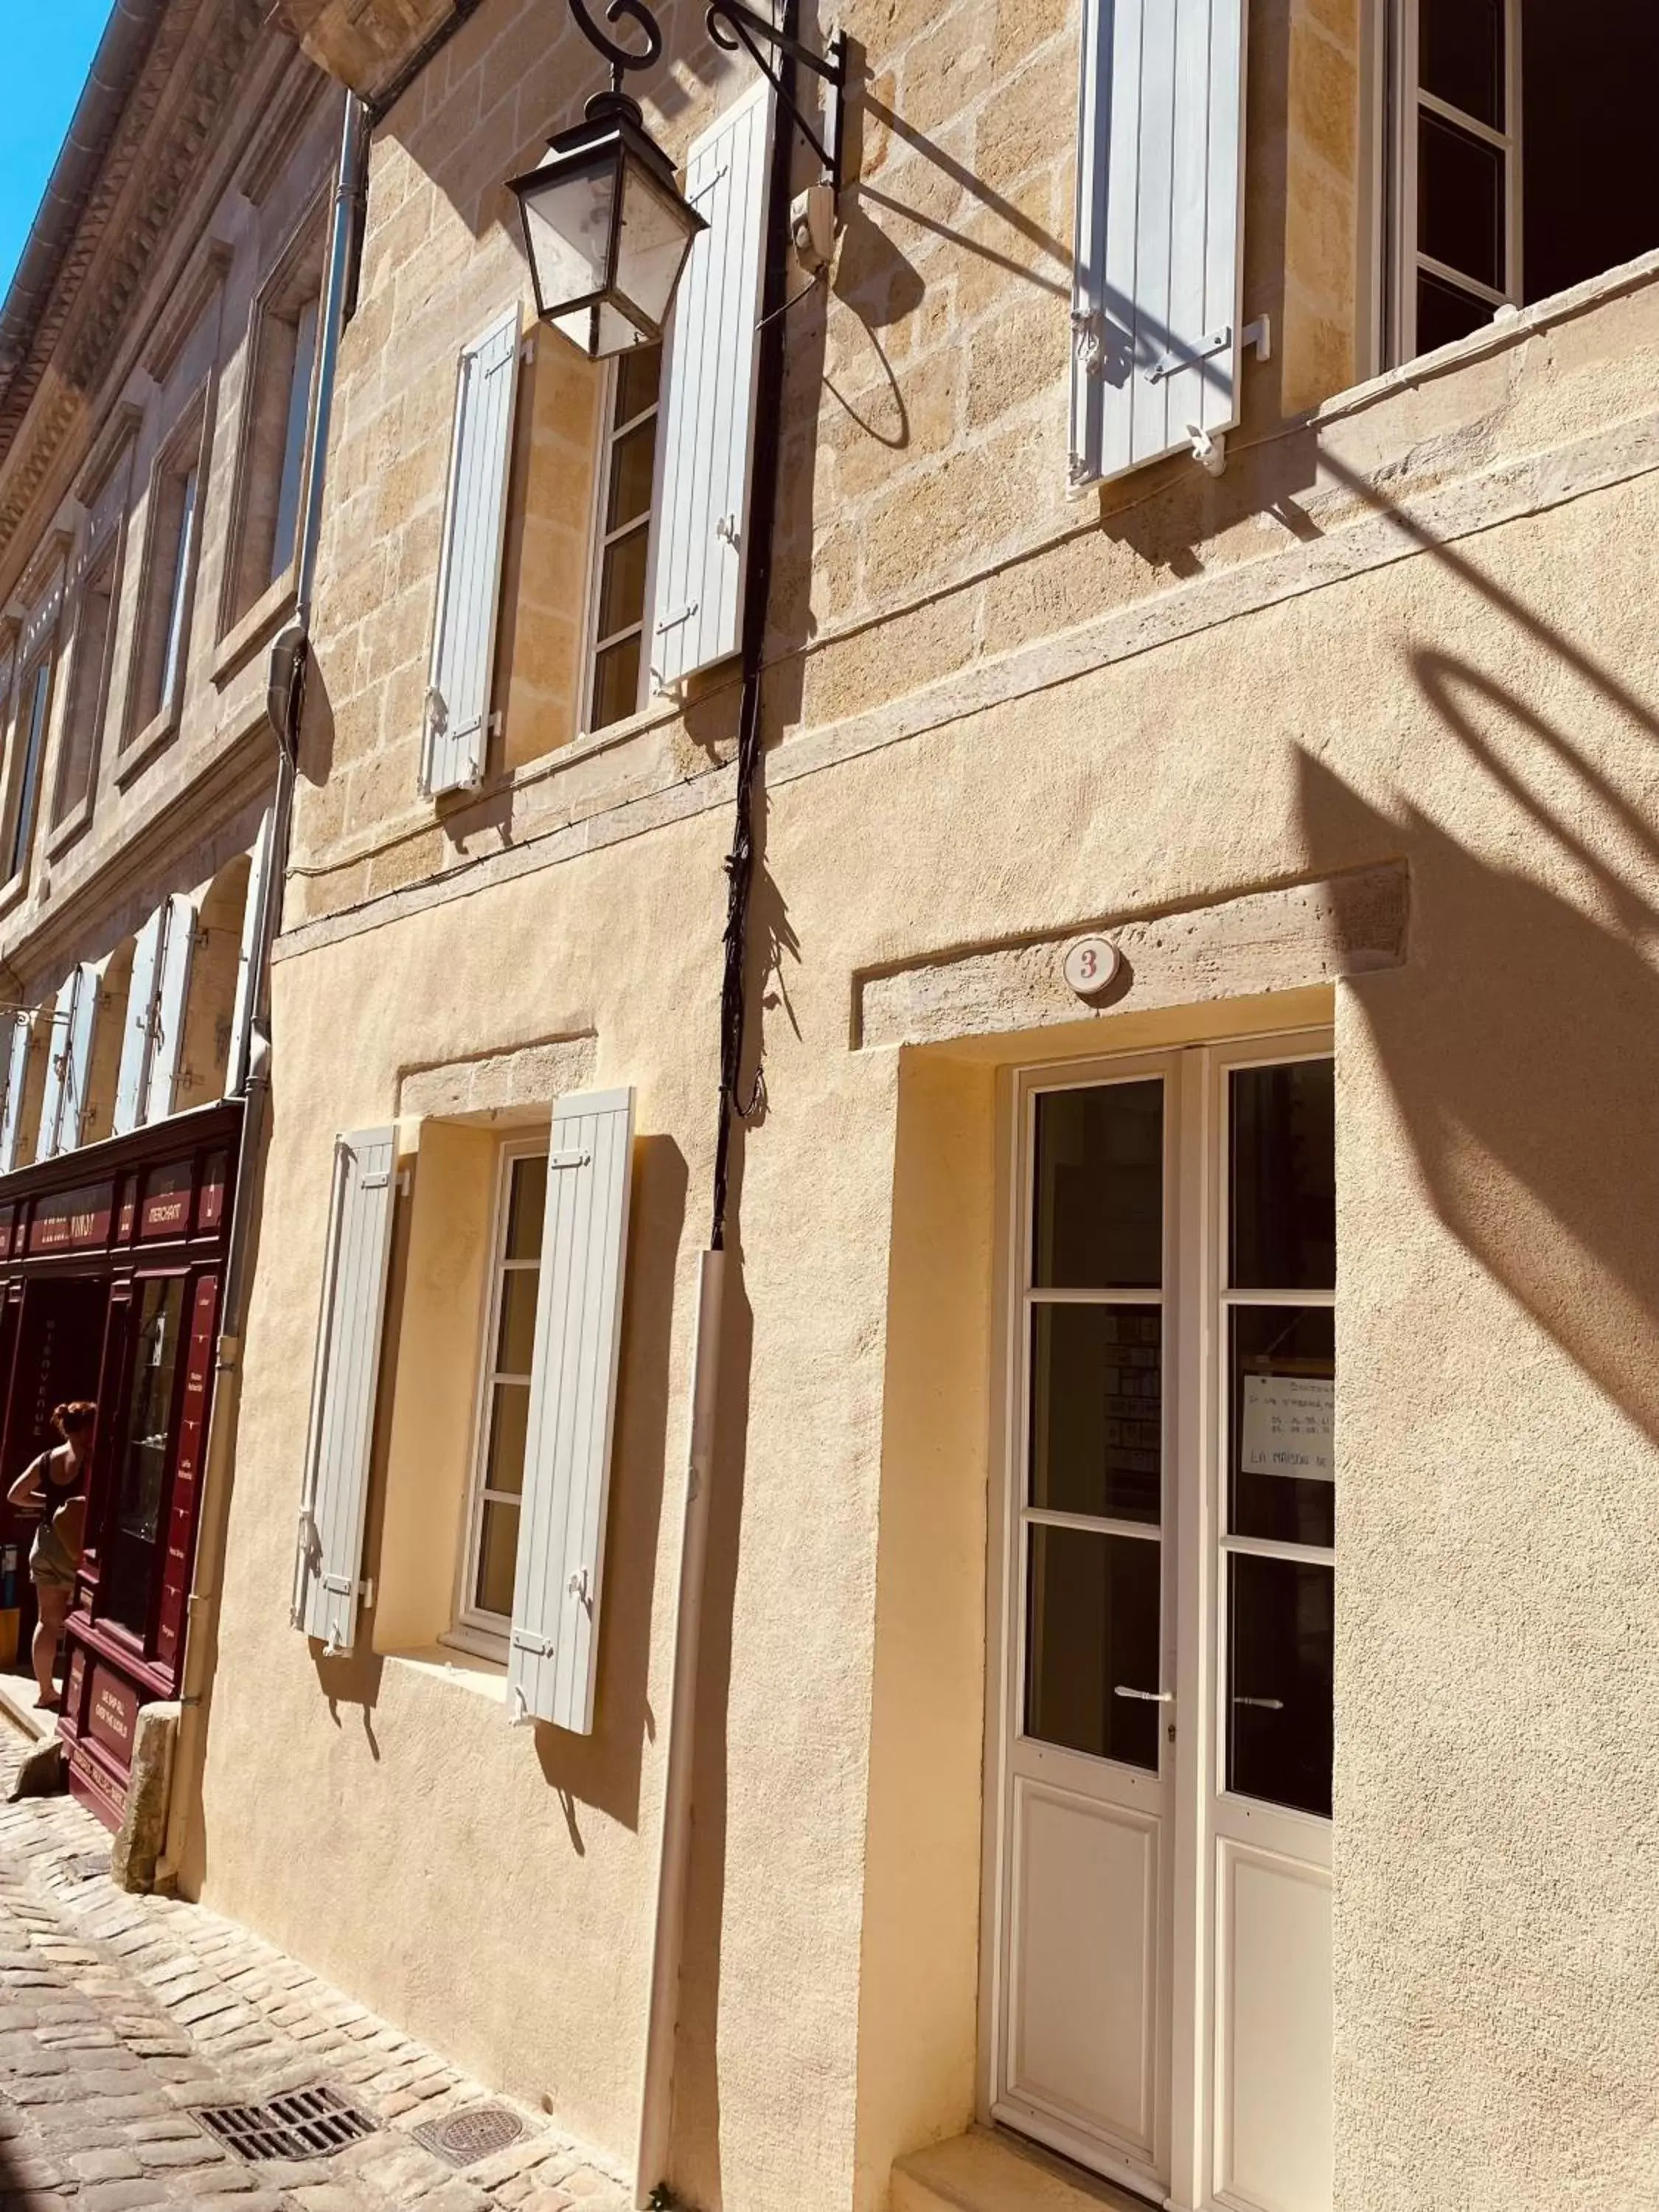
{"x": 1279, "y": 1714}
{"x": 1460, "y": 199}
{"x": 1444, "y": 314}
{"x": 632, "y": 460}
{"x": 616, "y": 683}
{"x": 1092, "y": 1629}
{"x": 1460, "y": 55}
{"x": 1284, "y": 1391}
{"x": 1097, "y": 1395}
{"x": 622, "y": 583}
{"x": 1283, "y": 1131}
{"x": 509, "y": 1425}
{"x": 515, "y": 1339}
{"x": 639, "y": 373}
{"x": 526, "y": 1205}
{"x": 1099, "y": 1202}
{"x": 155, "y": 1365}
{"x": 498, "y": 1554}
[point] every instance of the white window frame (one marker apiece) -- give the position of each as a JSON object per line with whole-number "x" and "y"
{"x": 475, "y": 1629}
{"x": 1404, "y": 100}
{"x": 593, "y": 643}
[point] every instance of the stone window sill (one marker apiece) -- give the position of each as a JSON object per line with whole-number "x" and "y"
{"x": 457, "y": 1669}
{"x": 153, "y": 737}
{"x": 239, "y": 643}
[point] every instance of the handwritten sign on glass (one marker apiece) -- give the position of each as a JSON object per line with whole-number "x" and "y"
{"x": 1289, "y": 1424}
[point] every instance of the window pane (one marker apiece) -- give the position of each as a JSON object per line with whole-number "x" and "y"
{"x": 1284, "y": 1389}
{"x": 34, "y": 739}
{"x": 1092, "y": 1628}
{"x": 639, "y": 373}
{"x": 516, "y": 1337}
{"x": 92, "y": 635}
{"x": 296, "y": 423}
{"x": 509, "y": 1425}
{"x": 1279, "y": 1717}
{"x": 1460, "y": 55}
{"x": 1099, "y": 1201}
{"x": 527, "y": 1204}
{"x": 1096, "y": 1435}
{"x": 179, "y": 592}
{"x": 622, "y": 587}
{"x": 632, "y": 460}
{"x": 616, "y": 683}
{"x": 498, "y": 1554}
{"x": 1460, "y": 200}
{"x": 1444, "y": 314}
{"x": 1283, "y": 1177}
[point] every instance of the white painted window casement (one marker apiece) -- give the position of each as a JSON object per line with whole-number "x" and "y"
{"x": 1157, "y": 306}
{"x": 328, "y": 1566}
{"x": 489, "y": 1558}
{"x": 16, "y": 1039}
{"x": 63, "y": 1101}
{"x": 1454, "y": 204}
{"x": 1159, "y": 1801}
{"x": 614, "y": 677}
{"x": 456, "y": 730}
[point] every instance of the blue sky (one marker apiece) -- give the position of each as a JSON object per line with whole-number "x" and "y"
{"x": 50, "y": 44}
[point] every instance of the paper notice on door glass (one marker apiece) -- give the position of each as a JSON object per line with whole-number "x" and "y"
{"x": 1289, "y": 1426}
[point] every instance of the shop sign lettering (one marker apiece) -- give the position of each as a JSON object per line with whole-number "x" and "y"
{"x": 112, "y": 1711}
{"x": 166, "y": 1209}
{"x": 71, "y": 1221}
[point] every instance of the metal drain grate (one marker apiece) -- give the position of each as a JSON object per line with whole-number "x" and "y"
{"x": 466, "y": 2137}
{"x": 304, "y": 2124}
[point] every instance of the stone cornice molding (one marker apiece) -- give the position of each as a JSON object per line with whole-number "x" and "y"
{"x": 364, "y": 43}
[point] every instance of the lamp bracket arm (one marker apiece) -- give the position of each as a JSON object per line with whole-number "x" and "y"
{"x": 731, "y": 24}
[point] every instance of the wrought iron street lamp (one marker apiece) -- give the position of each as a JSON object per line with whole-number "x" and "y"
{"x": 606, "y": 227}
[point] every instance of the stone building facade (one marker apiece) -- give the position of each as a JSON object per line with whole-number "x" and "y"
{"x": 1152, "y": 1635}
{"x": 157, "y": 371}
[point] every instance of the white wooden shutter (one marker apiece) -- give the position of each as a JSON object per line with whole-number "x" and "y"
{"x": 705, "y": 447}
{"x": 61, "y": 1019}
{"x": 172, "y": 997}
{"x": 78, "y": 1053}
{"x": 259, "y": 888}
{"x": 133, "y": 1083}
{"x": 16, "y": 1076}
{"x": 469, "y": 567}
{"x": 573, "y": 1396}
{"x": 1156, "y": 300}
{"x": 329, "y": 1568}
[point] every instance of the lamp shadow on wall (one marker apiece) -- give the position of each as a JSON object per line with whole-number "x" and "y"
{"x": 1518, "y": 1059}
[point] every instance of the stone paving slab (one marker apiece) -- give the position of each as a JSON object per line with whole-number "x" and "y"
{"x": 121, "y": 2016}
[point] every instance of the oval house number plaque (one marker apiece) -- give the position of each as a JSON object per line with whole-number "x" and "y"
{"x": 1090, "y": 966}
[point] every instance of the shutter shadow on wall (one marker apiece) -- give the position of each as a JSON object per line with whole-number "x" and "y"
{"x": 706, "y": 427}
{"x": 469, "y": 566}
{"x": 553, "y": 1649}
{"x": 1156, "y": 300}
{"x": 329, "y": 1567}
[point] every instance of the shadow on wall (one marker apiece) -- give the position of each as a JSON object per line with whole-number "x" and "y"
{"x": 1531, "y": 1136}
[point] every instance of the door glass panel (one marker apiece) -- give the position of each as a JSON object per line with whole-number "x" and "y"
{"x": 143, "y": 1477}
{"x": 1282, "y": 1382}
{"x": 1092, "y": 1632}
{"x": 1460, "y": 55}
{"x": 1460, "y": 199}
{"x": 1098, "y": 1205}
{"x": 1096, "y": 1438}
{"x": 1278, "y": 1672}
{"x": 1283, "y": 1177}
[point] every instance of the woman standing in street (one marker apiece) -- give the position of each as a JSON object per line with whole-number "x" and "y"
{"x": 51, "y": 1485}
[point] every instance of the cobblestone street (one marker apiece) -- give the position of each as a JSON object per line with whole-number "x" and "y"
{"x": 121, "y": 2017}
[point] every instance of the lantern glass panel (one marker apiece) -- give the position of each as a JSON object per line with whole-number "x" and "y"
{"x": 567, "y": 226}
{"x": 657, "y": 230}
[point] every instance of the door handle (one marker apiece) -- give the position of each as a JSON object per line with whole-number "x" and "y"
{"x": 1262, "y": 1704}
{"x": 1144, "y": 1696}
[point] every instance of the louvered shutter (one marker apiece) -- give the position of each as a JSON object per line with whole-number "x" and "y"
{"x": 57, "y": 1039}
{"x": 573, "y": 1396}
{"x": 705, "y": 441}
{"x": 132, "y": 1082}
{"x": 469, "y": 567}
{"x": 171, "y": 997}
{"x": 328, "y": 1566}
{"x": 16, "y": 1077}
{"x": 1156, "y": 300}
{"x": 77, "y": 1067}
{"x": 259, "y": 888}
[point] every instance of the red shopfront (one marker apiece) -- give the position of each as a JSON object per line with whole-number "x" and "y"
{"x": 112, "y": 1259}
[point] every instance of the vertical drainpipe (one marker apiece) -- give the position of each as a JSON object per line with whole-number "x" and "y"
{"x": 285, "y": 697}
{"x": 657, "y": 2089}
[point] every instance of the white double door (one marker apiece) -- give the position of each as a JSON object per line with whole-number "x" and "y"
{"x": 1159, "y": 1826}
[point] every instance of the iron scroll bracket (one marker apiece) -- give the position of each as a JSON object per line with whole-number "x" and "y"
{"x": 732, "y": 24}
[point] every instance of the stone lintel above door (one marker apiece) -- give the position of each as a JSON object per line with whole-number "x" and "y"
{"x": 1284, "y": 939}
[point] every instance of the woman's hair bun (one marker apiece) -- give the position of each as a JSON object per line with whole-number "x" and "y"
{"x": 78, "y": 1414}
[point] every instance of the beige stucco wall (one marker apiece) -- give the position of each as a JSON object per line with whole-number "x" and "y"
{"x": 1406, "y": 630}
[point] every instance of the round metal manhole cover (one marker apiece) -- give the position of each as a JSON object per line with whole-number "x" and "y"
{"x": 466, "y": 2137}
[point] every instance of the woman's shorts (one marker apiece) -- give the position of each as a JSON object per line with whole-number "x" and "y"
{"x": 49, "y": 1564}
